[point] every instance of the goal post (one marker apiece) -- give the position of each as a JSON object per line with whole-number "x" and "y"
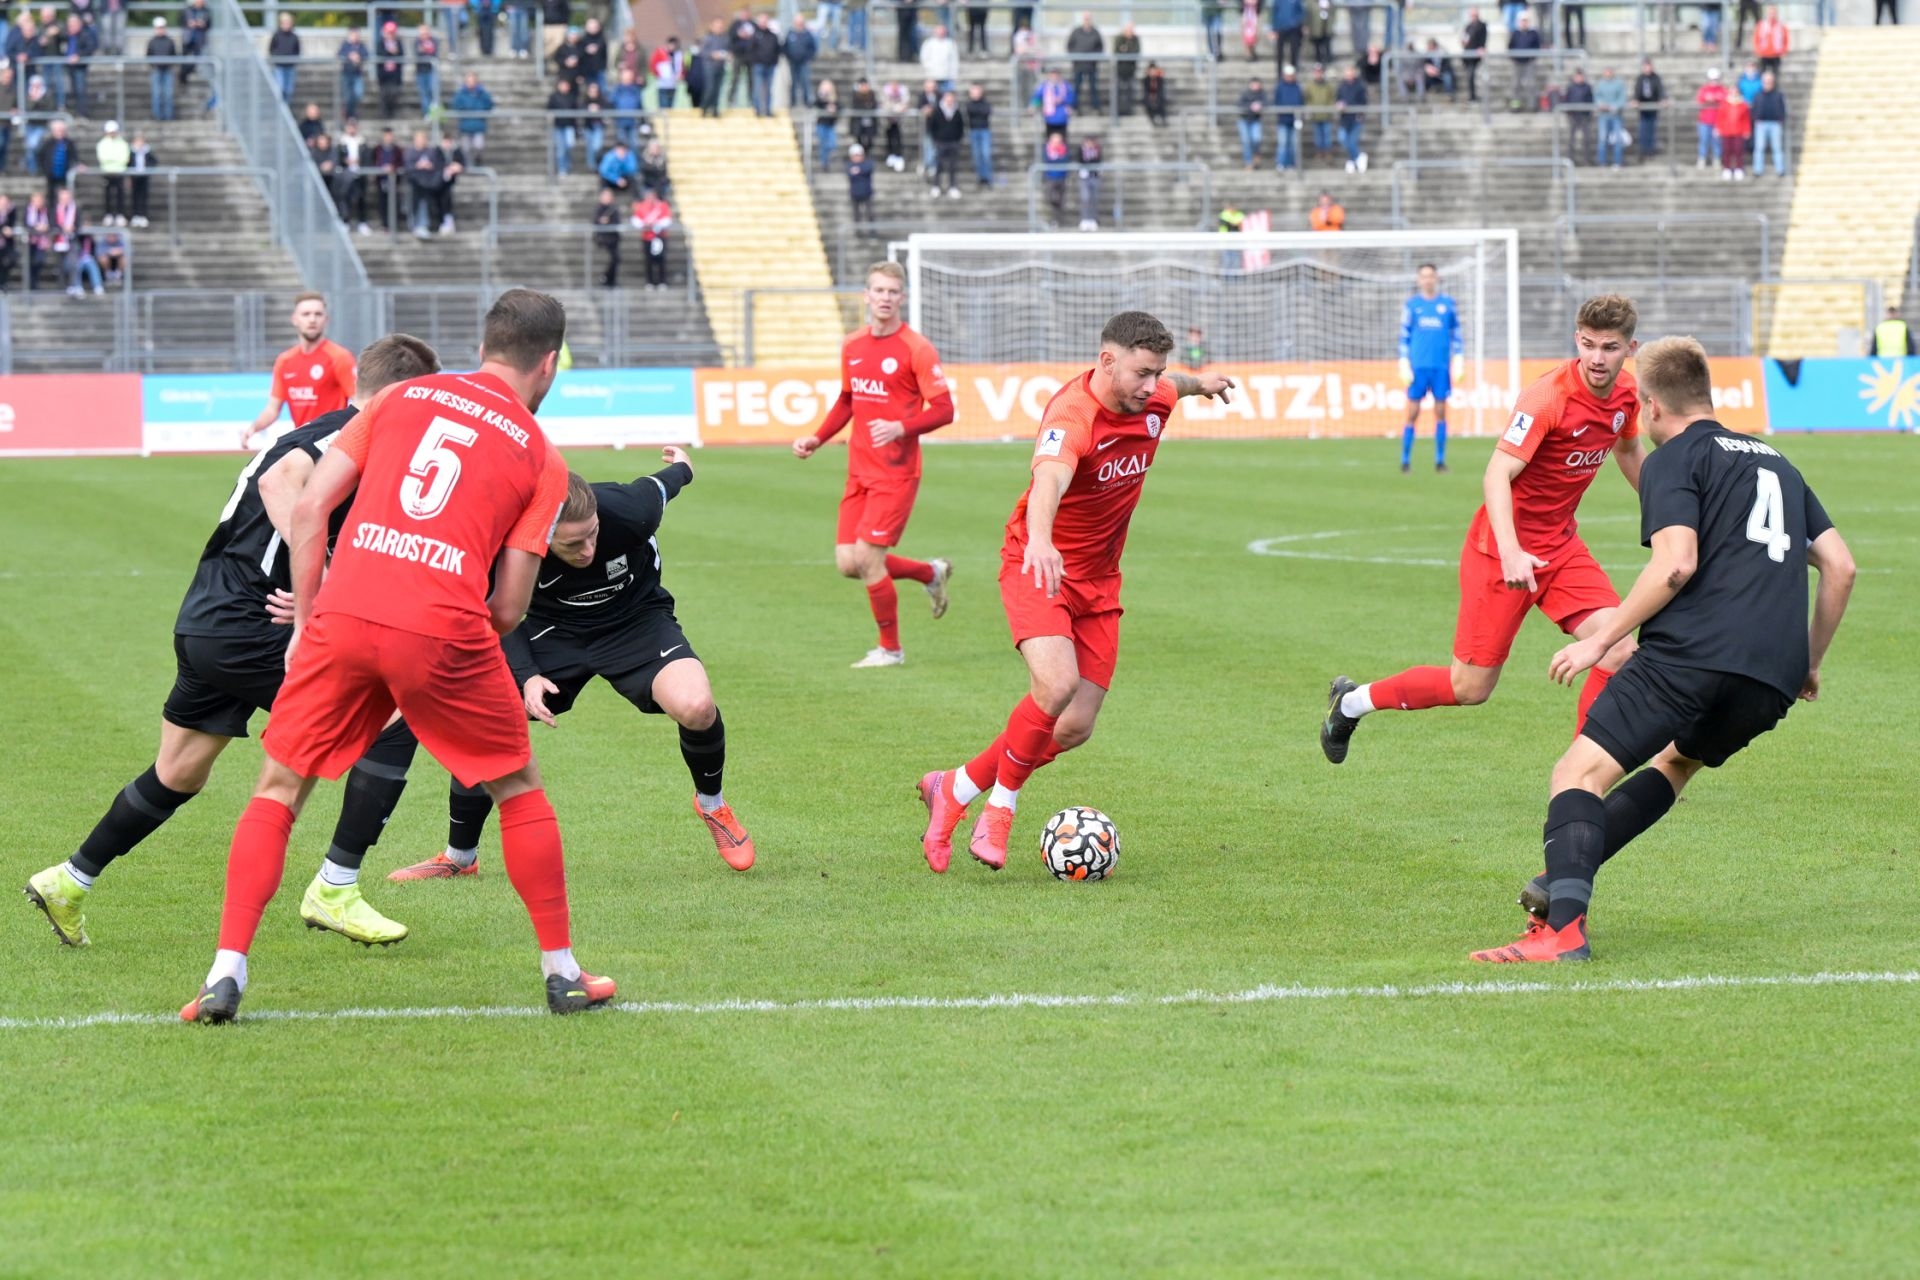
{"x": 1287, "y": 308}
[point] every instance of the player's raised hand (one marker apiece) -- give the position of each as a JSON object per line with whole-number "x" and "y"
{"x": 1567, "y": 664}
{"x": 535, "y": 696}
{"x": 1810, "y": 687}
{"x": 1046, "y": 566}
{"x": 673, "y": 454}
{"x": 280, "y": 607}
{"x": 805, "y": 446}
{"x": 1516, "y": 569}
{"x": 885, "y": 431}
{"x": 1214, "y": 384}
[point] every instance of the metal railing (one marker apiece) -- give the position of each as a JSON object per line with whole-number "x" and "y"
{"x": 1410, "y": 170}
{"x": 847, "y": 297}
{"x": 499, "y": 239}
{"x": 1070, "y": 175}
{"x": 63, "y": 264}
{"x": 1567, "y": 226}
{"x": 139, "y": 186}
{"x": 1716, "y": 310}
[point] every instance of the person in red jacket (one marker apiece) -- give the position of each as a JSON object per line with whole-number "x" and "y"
{"x": 1708, "y": 98}
{"x": 1734, "y": 125}
{"x": 1770, "y": 40}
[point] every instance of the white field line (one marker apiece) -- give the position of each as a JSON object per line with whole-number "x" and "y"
{"x": 1264, "y": 994}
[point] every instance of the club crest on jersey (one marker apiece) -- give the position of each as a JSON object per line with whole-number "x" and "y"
{"x": 1619, "y": 419}
{"x": 315, "y": 373}
{"x": 889, "y": 365}
{"x": 1517, "y": 430}
{"x": 616, "y": 567}
{"x": 1153, "y": 426}
{"x": 1050, "y": 442}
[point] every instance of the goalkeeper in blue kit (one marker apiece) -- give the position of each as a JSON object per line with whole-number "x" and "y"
{"x": 1430, "y": 358}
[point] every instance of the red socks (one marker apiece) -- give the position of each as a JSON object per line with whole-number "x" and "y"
{"x": 1596, "y": 681}
{"x": 1026, "y": 745}
{"x": 255, "y": 863}
{"x": 530, "y": 849}
{"x": 901, "y": 567}
{"x": 984, "y": 769}
{"x": 1414, "y": 689}
{"x": 885, "y": 602}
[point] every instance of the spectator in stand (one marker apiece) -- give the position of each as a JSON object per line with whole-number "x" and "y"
{"x": 1288, "y": 99}
{"x": 283, "y": 48}
{"x": 947, "y": 126}
{"x": 58, "y": 158}
{"x": 569, "y": 59}
{"x": 1320, "y": 29}
{"x": 1213, "y": 16}
{"x": 1572, "y": 15}
{"x": 1126, "y": 67}
{"x": 1770, "y": 42}
{"x": 1373, "y": 65}
{"x": 352, "y": 158}
{"x": 111, "y": 253}
{"x": 1086, "y": 44}
{"x": 653, "y": 170}
{"x": 1770, "y": 126}
{"x": 426, "y": 68}
{"x": 979, "y": 113}
{"x": 1748, "y": 85}
{"x": 1747, "y": 9}
{"x": 629, "y": 56}
{"x": 1289, "y": 31}
{"x": 669, "y": 68}
{"x": 1055, "y": 155}
{"x": 520, "y": 28}
{"x": 593, "y": 123}
{"x": 77, "y": 48}
{"x": 1649, "y": 92}
{"x": 1734, "y": 124}
{"x": 1025, "y": 47}
{"x": 740, "y": 57}
{"x": 1326, "y": 214}
{"x": 556, "y": 17}
{"x": 9, "y": 243}
{"x": 354, "y": 57}
{"x": 471, "y": 103}
{"x": 865, "y": 106}
{"x": 66, "y": 242}
{"x": 453, "y": 163}
{"x": 1153, "y": 95}
{"x": 22, "y": 43}
{"x": 162, "y": 76}
{"x": 389, "y": 162}
{"x": 113, "y": 27}
{"x": 799, "y": 49}
{"x": 1250, "y": 26}
{"x": 1054, "y": 100}
{"x": 606, "y": 215}
{"x": 928, "y": 104}
{"x": 486, "y": 15}
{"x": 654, "y": 218}
{"x": 1089, "y": 157}
{"x": 860, "y": 183}
{"x": 39, "y": 102}
{"x": 1708, "y": 98}
{"x": 196, "y": 20}
{"x": 562, "y": 107}
{"x": 425, "y": 184}
{"x": 326, "y": 161}
{"x": 1610, "y": 100}
{"x": 1253, "y": 105}
{"x": 112, "y": 154}
{"x": 826, "y": 123}
{"x": 857, "y": 25}
{"x": 1436, "y": 71}
{"x": 619, "y": 169}
{"x": 389, "y": 69}
{"x": 906, "y": 25}
{"x": 940, "y": 59}
{"x": 8, "y": 94}
{"x": 37, "y": 228}
{"x": 312, "y": 124}
{"x": 1473, "y": 47}
{"x": 707, "y": 75}
{"x": 1891, "y": 8}
{"x": 1321, "y": 95}
{"x": 976, "y": 30}
{"x": 893, "y": 102}
{"x": 1352, "y": 97}
{"x": 1710, "y": 27}
{"x": 593, "y": 54}
{"x": 766, "y": 64}
{"x": 140, "y": 165}
{"x": 1523, "y": 46}
{"x": 629, "y": 105}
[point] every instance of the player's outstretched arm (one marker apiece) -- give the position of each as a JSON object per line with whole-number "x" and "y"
{"x": 268, "y": 416}
{"x": 1834, "y": 562}
{"x": 1496, "y": 487}
{"x": 674, "y": 456}
{"x": 514, "y": 574}
{"x": 1207, "y": 385}
{"x": 1676, "y": 552}
{"x": 333, "y": 482}
{"x": 837, "y": 417}
{"x": 1042, "y": 558}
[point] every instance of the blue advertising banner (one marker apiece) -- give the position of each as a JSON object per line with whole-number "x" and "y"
{"x": 1843, "y": 395}
{"x": 620, "y": 407}
{"x": 201, "y": 412}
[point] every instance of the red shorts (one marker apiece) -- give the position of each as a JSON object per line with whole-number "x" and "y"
{"x": 1570, "y": 588}
{"x": 1088, "y": 613}
{"x": 348, "y": 677}
{"x": 876, "y": 511}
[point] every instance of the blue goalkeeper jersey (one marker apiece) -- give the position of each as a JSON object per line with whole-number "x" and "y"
{"x": 1429, "y": 332}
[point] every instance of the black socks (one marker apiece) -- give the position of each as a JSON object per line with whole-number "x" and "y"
{"x": 140, "y": 809}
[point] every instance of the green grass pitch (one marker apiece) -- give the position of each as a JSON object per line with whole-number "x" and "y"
{"x": 1590, "y": 1127}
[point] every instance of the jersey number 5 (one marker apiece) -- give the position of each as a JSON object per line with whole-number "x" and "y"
{"x": 435, "y": 468}
{"x": 1767, "y": 522}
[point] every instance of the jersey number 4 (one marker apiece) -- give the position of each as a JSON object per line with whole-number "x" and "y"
{"x": 1767, "y": 522}
{"x": 435, "y": 468}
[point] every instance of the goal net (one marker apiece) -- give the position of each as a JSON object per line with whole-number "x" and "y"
{"x": 1308, "y": 323}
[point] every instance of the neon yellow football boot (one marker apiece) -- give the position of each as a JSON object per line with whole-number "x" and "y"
{"x": 59, "y": 895}
{"x": 341, "y": 909}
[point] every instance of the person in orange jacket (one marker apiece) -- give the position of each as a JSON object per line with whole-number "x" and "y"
{"x": 1770, "y": 40}
{"x": 1327, "y": 215}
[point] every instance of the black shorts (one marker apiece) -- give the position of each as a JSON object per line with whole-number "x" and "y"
{"x": 1706, "y": 715}
{"x": 219, "y": 684}
{"x": 628, "y": 659}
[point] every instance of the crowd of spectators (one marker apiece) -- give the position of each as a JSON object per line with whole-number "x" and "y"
{"x": 636, "y": 197}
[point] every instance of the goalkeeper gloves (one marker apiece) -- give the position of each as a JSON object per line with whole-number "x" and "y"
{"x": 1406, "y": 369}
{"x": 1459, "y": 367}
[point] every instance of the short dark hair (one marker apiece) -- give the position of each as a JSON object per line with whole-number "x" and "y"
{"x": 581, "y": 503}
{"x": 1426, "y": 266}
{"x": 308, "y": 296}
{"x": 1137, "y": 331}
{"x": 523, "y": 327}
{"x": 394, "y": 358}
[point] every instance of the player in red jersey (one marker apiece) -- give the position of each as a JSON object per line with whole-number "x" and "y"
{"x": 311, "y": 377}
{"x": 1060, "y": 572}
{"x": 893, "y": 392}
{"x": 451, "y": 478}
{"x": 1523, "y": 550}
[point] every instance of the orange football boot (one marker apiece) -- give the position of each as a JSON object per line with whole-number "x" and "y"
{"x": 729, "y": 837}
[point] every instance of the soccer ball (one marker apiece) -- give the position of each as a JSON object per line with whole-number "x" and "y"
{"x": 1080, "y": 844}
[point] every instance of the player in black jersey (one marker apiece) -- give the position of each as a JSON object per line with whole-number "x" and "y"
{"x": 1725, "y": 643}
{"x": 231, "y": 656}
{"x": 598, "y": 609}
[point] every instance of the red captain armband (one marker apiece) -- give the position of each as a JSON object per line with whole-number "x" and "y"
{"x": 837, "y": 417}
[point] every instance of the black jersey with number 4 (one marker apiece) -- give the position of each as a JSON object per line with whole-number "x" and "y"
{"x": 1744, "y": 610}
{"x": 246, "y": 558}
{"x": 624, "y": 579}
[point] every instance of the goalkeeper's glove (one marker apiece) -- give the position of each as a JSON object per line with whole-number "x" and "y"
{"x": 1406, "y": 369}
{"x": 1459, "y": 367}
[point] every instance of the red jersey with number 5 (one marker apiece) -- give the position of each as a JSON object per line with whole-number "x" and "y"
{"x": 1110, "y": 454}
{"x": 1565, "y": 433}
{"x": 892, "y": 378}
{"x": 452, "y": 468}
